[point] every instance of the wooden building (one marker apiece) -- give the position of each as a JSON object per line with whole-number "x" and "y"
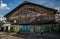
{"x": 31, "y": 13}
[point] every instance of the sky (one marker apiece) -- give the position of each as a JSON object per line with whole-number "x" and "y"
{"x": 8, "y": 5}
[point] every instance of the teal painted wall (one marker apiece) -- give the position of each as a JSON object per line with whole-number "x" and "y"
{"x": 38, "y": 28}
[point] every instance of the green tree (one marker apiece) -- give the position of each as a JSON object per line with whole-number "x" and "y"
{"x": 1, "y": 23}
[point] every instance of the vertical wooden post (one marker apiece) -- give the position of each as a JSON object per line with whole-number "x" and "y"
{"x": 50, "y": 28}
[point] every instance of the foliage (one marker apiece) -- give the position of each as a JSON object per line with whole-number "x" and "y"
{"x": 12, "y": 29}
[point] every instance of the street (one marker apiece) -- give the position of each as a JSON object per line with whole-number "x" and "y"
{"x": 4, "y": 35}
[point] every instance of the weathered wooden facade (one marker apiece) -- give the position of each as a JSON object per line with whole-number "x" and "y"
{"x": 31, "y": 13}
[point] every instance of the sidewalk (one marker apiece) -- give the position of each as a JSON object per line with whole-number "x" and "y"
{"x": 44, "y": 36}
{"x": 52, "y": 35}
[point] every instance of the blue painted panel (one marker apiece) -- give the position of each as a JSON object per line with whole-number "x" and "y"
{"x": 25, "y": 27}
